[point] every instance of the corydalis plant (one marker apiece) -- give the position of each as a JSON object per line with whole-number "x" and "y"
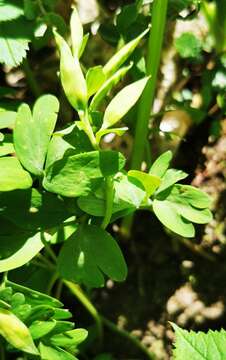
{"x": 84, "y": 188}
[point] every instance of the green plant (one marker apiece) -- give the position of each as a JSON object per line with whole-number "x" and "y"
{"x": 60, "y": 189}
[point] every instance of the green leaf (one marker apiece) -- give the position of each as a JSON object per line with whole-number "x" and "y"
{"x": 14, "y": 47}
{"x": 123, "y": 102}
{"x": 95, "y": 78}
{"x": 72, "y": 175}
{"x": 90, "y": 253}
{"x": 169, "y": 217}
{"x": 33, "y": 131}
{"x": 188, "y": 45}
{"x": 194, "y": 196}
{"x": 16, "y": 332}
{"x": 71, "y": 138}
{"x": 50, "y": 353}
{"x": 12, "y": 175}
{"x": 128, "y": 190}
{"x": 69, "y": 338}
{"x": 200, "y": 345}
{"x": 149, "y": 182}
{"x": 107, "y": 86}
{"x": 122, "y": 55}
{"x": 83, "y": 45}
{"x": 29, "y": 249}
{"x": 76, "y": 32}
{"x": 7, "y": 119}
{"x": 117, "y": 131}
{"x": 182, "y": 206}
{"x": 71, "y": 75}
{"x": 170, "y": 177}
{"x": 38, "y": 329}
{"x": 10, "y": 9}
{"x": 6, "y": 147}
{"x": 33, "y": 210}
{"x": 161, "y": 164}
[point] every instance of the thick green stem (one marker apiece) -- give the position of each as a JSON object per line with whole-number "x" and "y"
{"x": 128, "y": 336}
{"x": 159, "y": 12}
{"x": 79, "y": 294}
{"x": 109, "y": 198}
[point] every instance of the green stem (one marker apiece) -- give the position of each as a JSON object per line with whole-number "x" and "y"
{"x": 129, "y": 337}
{"x": 80, "y": 295}
{"x": 52, "y": 282}
{"x": 84, "y": 117}
{"x": 109, "y": 198}
{"x": 31, "y": 81}
{"x": 159, "y": 12}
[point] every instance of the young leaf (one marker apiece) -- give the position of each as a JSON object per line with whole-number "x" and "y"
{"x": 50, "y": 353}
{"x": 200, "y": 345}
{"x": 194, "y": 196}
{"x": 122, "y": 55}
{"x": 69, "y": 338}
{"x": 117, "y": 131}
{"x": 90, "y": 253}
{"x": 33, "y": 131}
{"x": 83, "y": 45}
{"x": 161, "y": 164}
{"x": 170, "y": 177}
{"x": 38, "y": 329}
{"x": 95, "y": 78}
{"x": 149, "y": 182}
{"x": 16, "y": 332}
{"x": 123, "y": 102}
{"x": 76, "y": 33}
{"x": 71, "y": 75}
{"x": 12, "y": 175}
{"x": 72, "y": 175}
{"x": 107, "y": 86}
{"x": 169, "y": 217}
{"x": 29, "y": 249}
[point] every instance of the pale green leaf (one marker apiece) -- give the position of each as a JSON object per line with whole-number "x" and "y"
{"x": 149, "y": 182}
{"x": 95, "y": 78}
{"x": 33, "y": 131}
{"x": 10, "y": 9}
{"x": 123, "y": 102}
{"x": 171, "y": 177}
{"x": 169, "y": 217}
{"x": 117, "y": 131}
{"x": 199, "y": 345}
{"x": 194, "y": 196}
{"x": 90, "y": 253}
{"x": 71, "y": 75}
{"x": 7, "y": 119}
{"x": 12, "y": 175}
{"x": 16, "y": 332}
{"x": 107, "y": 86}
{"x": 76, "y": 32}
{"x": 161, "y": 164}
{"x": 122, "y": 55}
{"x": 28, "y": 250}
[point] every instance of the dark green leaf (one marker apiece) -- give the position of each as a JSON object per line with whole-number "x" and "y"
{"x": 88, "y": 254}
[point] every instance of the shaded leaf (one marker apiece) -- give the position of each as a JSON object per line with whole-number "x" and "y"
{"x": 90, "y": 253}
